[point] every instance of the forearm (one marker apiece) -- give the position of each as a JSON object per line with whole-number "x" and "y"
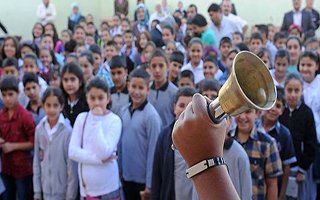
{"x": 23, "y": 146}
{"x": 284, "y": 180}
{"x": 215, "y": 181}
{"x": 272, "y": 188}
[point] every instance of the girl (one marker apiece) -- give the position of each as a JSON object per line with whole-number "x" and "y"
{"x": 54, "y": 77}
{"x": 105, "y": 37}
{"x": 72, "y": 86}
{"x": 147, "y": 52}
{"x": 48, "y": 60}
{"x": 125, "y": 25}
{"x": 282, "y": 60}
{"x": 168, "y": 35}
{"x": 95, "y": 151}
{"x": 37, "y": 32}
{"x": 10, "y": 48}
{"x": 50, "y": 29}
{"x": 211, "y": 69}
{"x": 230, "y": 57}
{"x": 54, "y": 176}
{"x": 170, "y": 48}
{"x": 298, "y": 117}
{"x": 195, "y": 52}
{"x": 265, "y": 56}
{"x": 142, "y": 41}
{"x": 86, "y": 63}
{"x": 294, "y": 47}
{"x": 65, "y": 37}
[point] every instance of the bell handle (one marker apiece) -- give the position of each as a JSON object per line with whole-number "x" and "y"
{"x": 215, "y": 111}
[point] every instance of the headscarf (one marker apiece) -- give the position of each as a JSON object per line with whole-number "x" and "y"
{"x": 146, "y": 14}
{"x": 74, "y": 17}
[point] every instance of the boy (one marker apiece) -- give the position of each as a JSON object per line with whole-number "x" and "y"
{"x": 186, "y": 78}
{"x": 255, "y": 42}
{"x": 270, "y": 124}
{"x": 224, "y": 48}
{"x": 10, "y": 66}
{"x": 162, "y": 91}
{"x": 265, "y": 162}
{"x": 129, "y": 48}
{"x": 237, "y": 37}
{"x": 104, "y": 70}
{"x": 175, "y": 65}
{"x": 32, "y": 91}
{"x": 141, "y": 125}
{"x": 168, "y": 178}
{"x": 16, "y": 138}
{"x": 279, "y": 40}
{"x": 97, "y": 56}
{"x": 209, "y": 88}
{"x": 119, "y": 93}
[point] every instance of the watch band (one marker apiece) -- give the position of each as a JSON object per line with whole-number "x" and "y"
{"x": 205, "y": 164}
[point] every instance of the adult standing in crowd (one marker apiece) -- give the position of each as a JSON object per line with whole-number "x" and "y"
{"x": 46, "y": 12}
{"x": 299, "y": 17}
{"x": 315, "y": 14}
{"x": 121, "y": 7}
{"x": 75, "y": 16}
{"x": 228, "y": 11}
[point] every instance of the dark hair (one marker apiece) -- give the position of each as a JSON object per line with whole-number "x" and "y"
{"x": 16, "y": 45}
{"x": 53, "y": 91}
{"x": 214, "y": 8}
{"x": 10, "y": 62}
{"x": 282, "y": 53}
{"x": 311, "y": 40}
{"x": 31, "y": 56}
{"x": 98, "y": 83}
{"x": 256, "y": 36}
{"x": 95, "y": 49}
{"x": 9, "y": 82}
{"x": 88, "y": 55}
{"x": 263, "y": 29}
{"x": 55, "y": 33}
{"x": 70, "y": 46}
{"x": 160, "y": 53}
{"x": 280, "y": 95}
{"x": 78, "y": 27}
{"x": 199, "y": 20}
{"x": 90, "y": 23}
{"x": 206, "y": 85}
{"x": 235, "y": 50}
{"x": 187, "y": 74}
{"x": 140, "y": 73}
{"x": 54, "y": 60}
{"x": 74, "y": 69}
{"x": 30, "y": 77}
{"x": 240, "y": 34}
{"x": 177, "y": 56}
{"x": 184, "y": 92}
{"x": 263, "y": 50}
{"x": 178, "y": 21}
{"x": 128, "y": 32}
{"x": 212, "y": 59}
{"x": 170, "y": 28}
{"x": 309, "y": 54}
{"x": 242, "y": 46}
{"x": 147, "y": 35}
{"x": 27, "y": 44}
{"x": 278, "y": 36}
{"x": 293, "y": 37}
{"x": 193, "y": 6}
{"x": 37, "y": 23}
{"x": 54, "y": 72}
{"x": 225, "y": 40}
{"x": 195, "y": 40}
{"x": 112, "y": 43}
{"x": 117, "y": 62}
{"x": 293, "y": 76}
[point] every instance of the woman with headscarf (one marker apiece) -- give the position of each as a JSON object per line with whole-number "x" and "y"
{"x": 141, "y": 4}
{"x": 75, "y": 16}
{"x": 141, "y": 24}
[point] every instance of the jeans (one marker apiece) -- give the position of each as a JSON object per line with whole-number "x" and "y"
{"x": 20, "y": 189}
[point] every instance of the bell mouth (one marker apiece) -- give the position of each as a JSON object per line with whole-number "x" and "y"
{"x": 254, "y": 80}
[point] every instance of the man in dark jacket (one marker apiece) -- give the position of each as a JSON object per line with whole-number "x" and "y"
{"x": 299, "y": 17}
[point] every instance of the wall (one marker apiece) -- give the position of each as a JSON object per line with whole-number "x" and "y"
{"x": 19, "y": 15}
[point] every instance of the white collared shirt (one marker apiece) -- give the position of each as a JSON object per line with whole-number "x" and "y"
{"x": 197, "y": 71}
{"x": 54, "y": 129}
{"x": 226, "y": 28}
{"x": 297, "y": 17}
{"x": 43, "y": 11}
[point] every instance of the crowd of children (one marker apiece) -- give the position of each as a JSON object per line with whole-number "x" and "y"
{"x": 88, "y": 114}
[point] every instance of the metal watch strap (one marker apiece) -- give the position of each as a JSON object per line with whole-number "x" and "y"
{"x": 205, "y": 164}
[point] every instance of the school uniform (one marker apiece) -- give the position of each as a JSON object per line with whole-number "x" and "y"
{"x": 140, "y": 130}
{"x": 169, "y": 180}
{"x": 300, "y": 122}
{"x": 72, "y": 109}
{"x": 54, "y": 174}
{"x": 119, "y": 99}
{"x": 163, "y": 100}
{"x": 197, "y": 71}
{"x": 37, "y": 115}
